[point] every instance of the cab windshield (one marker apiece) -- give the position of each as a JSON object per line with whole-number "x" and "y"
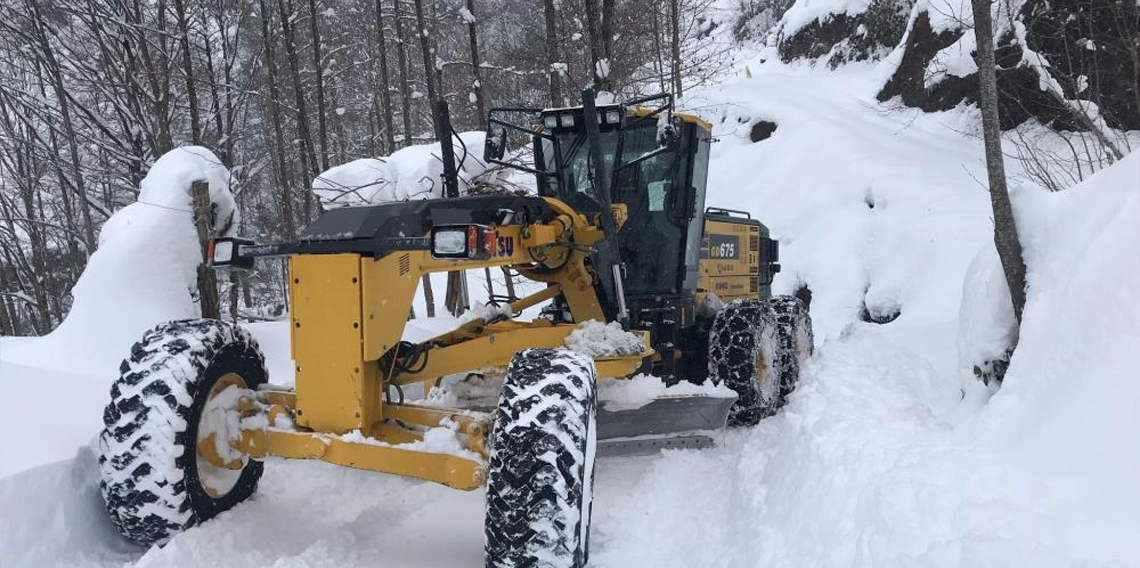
{"x": 653, "y": 237}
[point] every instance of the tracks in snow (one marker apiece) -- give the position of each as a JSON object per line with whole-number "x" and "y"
{"x": 815, "y": 472}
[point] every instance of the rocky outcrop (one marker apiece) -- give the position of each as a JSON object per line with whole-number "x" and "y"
{"x": 849, "y": 35}
{"x": 1055, "y": 59}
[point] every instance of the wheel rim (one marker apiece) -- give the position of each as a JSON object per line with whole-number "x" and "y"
{"x": 765, "y": 383}
{"x": 220, "y": 418}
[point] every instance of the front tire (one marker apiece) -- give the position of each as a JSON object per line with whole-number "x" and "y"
{"x": 153, "y": 481}
{"x": 540, "y": 476}
{"x": 744, "y": 352}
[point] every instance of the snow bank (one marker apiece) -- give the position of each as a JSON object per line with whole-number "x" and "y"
{"x": 1070, "y": 398}
{"x": 54, "y": 516}
{"x": 409, "y": 173}
{"x": 987, "y": 328}
{"x": 143, "y": 272}
{"x": 46, "y": 414}
{"x": 873, "y": 210}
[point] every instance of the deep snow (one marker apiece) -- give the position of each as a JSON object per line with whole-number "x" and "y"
{"x": 888, "y": 454}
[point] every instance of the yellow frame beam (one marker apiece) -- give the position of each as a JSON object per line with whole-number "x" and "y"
{"x": 496, "y": 343}
{"x": 450, "y": 470}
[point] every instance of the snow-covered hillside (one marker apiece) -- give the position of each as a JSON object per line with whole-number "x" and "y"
{"x": 889, "y": 452}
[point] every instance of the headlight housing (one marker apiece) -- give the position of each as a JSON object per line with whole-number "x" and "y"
{"x": 225, "y": 252}
{"x": 463, "y": 242}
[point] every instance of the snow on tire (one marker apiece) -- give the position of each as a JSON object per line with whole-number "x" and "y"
{"x": 795, "y": 337}
{"x": 744, "y": 355}
{"x": 540, "y": 476}
{"x": 152, "y": 479}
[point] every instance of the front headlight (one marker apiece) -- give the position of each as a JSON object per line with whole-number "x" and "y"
{"x": 226, "y": 252}
{"x": 223, "y": 252}
{"x": 449, "y": 242}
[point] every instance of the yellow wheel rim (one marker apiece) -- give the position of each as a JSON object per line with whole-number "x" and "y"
{"x": 219, "y": 465}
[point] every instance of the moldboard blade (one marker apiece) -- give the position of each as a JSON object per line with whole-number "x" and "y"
{"x": 663, "y": 423}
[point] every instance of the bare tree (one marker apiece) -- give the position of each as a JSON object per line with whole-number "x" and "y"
{"x": 405, "y": 79}
{"x": 385, "y": 90}
{"x": 1005, "y": 226}
{"x": 427, "y": 49}
{"x": 599, "y": 68}
{"x": 477, "y": 87}
{"x": 273, "y": 105}
{"x": 675, "y": 45}
{"x": 309, "y": 165}
{"x": 555, "y": 67}
{"x": 188, "y": 71}
{"x": 319, "y": 73}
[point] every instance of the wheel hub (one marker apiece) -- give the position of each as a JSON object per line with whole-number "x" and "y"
{"x": 219, "y": 464}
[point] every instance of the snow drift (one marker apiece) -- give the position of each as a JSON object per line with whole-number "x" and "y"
{"x": 143, "y": 272}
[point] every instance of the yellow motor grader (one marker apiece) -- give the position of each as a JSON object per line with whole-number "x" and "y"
{"x": 632, "y": 261}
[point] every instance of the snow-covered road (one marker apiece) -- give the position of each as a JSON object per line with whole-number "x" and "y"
{"x": 888, "y": 454}
{"x": 766, "y": 493}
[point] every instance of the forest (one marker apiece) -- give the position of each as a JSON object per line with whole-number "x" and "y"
{"x": 94, "y": 91}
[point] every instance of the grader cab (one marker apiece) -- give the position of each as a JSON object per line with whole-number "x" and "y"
{"x": 630, "y": 259}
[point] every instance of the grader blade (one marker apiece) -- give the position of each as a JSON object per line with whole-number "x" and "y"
{"x": 671, "y": 422}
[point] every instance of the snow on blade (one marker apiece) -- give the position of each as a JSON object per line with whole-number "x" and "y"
{"x": 640, "y": 390}
{"x": 596, "y": 339}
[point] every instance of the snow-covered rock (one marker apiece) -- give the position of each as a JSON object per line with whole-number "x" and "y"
{"x": 1042, "y": 54}
{"x": 841, "y": 31}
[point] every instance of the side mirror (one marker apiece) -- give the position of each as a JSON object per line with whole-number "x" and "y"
{"x": 495, "y": 145}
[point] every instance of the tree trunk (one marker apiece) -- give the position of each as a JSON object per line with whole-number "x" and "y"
{"x": 552, "y": 62}
{"x": 273, "y": 106}
{"x": 207, "y": 280}
{"x": 594, "y": 31}
{"x": 607, "y": 22}
{"x": 429, "y": 296}
{"x": 235, "y": 285}
{"x": 675, "y": 45}
{"x": 476, "y": 72}
{"x": 1005, "y": 226}
{"x": 428, "y": 51}
{"x": 188, "y": 71}
{"x": 385, "y": 92}
{"x": 510, "y": 281}
{"x": 309, "y": 163}
{"x": 405, "y": 81}
{"x": 319, "y": 70}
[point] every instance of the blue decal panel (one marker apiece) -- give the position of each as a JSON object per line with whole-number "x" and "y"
{"x": 506, "y": 246}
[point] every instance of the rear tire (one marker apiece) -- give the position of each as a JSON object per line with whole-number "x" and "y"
{"x": 151, "y": 477}
{"x": 796, "y": 340}
{"x": 540, "y": 476}
{"x": 744, "y": 355}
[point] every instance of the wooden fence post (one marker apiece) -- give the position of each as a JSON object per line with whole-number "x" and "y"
{"x": 207, "y": 280}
